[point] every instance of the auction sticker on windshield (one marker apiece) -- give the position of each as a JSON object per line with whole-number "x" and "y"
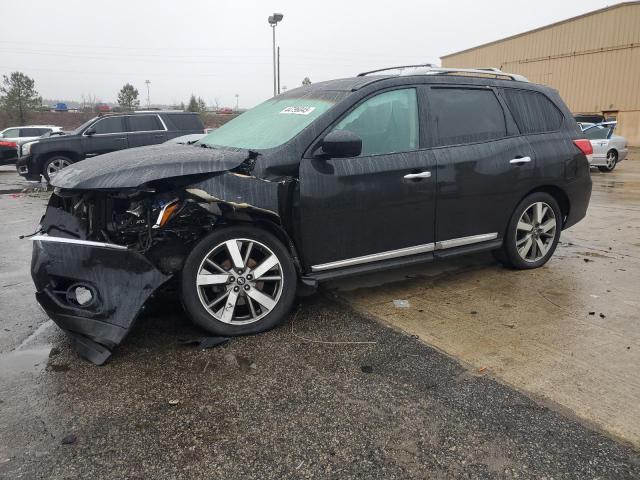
{"x": 298, "y": 110}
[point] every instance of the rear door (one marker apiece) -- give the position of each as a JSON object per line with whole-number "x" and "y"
{"x": 376, "y": 206}
{"x": 484, "y": 167}
{"x": 145, "y": 130}
{"x": 110, "y": 135}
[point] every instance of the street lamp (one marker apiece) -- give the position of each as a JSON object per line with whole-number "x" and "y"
{"x": 273, "y": 21}
{"x": 148, "y": 82}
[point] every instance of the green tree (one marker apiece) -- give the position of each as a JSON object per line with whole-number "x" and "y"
{"x": 18, "y": 96}
{"x": 128, "y": 97}
{"x": 193, "y": 104}
{"x": 306, "y": 81}
{"x": 196, "y": 104}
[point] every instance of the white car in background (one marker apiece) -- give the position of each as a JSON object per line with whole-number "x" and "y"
{"x": 608, "y": 149}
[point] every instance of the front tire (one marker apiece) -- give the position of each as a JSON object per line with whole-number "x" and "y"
{"x": 533, "y": 232}
{"x": 52, "y": 166}
{"x": 612, "y": 161}
{"x": 238, "y": 281}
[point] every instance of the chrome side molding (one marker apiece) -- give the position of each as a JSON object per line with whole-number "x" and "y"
{"x": 77, "y": 241}
{"x": 462, "y": 241}
{"x": 403, "y": 252}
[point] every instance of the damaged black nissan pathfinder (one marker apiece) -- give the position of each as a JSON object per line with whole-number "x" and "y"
{"x": 337, "y": 178}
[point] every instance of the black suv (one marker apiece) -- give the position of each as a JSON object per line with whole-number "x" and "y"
{"x": 104, "y": 134}
{"x": 337, "y": 178}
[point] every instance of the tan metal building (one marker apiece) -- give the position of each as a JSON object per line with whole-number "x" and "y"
{"x": 593, "y": 60}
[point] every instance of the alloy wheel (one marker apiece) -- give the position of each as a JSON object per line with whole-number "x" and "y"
{"x": 240, "y": 281}
{"x": 535, "y": 231}
{"x": 54, "y": 167}
{"x": 612, "y": 159}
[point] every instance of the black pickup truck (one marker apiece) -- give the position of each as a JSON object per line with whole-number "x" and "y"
{"x": 103, "y": 134}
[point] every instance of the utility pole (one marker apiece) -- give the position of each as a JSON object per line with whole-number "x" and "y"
{"x": 237, "y": 96}
{"x": 273, "y": 21}
{"x": 278, "y": 70}
{"x": 148, "y": 82}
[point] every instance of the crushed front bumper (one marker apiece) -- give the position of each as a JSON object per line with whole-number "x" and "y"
{"x": 93, "y": 291}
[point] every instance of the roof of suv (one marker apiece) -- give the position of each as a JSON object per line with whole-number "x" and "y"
{"x": 146, "y": 112}
{"x": 426, "y": 71}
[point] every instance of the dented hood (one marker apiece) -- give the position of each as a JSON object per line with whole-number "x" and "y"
{"x": 136, "y": 166}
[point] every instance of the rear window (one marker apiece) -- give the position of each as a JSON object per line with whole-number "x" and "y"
{"x": 186, "y": 121}
{"x": 533, "y": 111}
{"x": 465, "y": 115}
{"x": 144, "y": 123}
{"x": 597, "y": 133}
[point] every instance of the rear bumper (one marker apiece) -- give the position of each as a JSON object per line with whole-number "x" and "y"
{"x": 119, "y": 282}
{"x": 579, "y": 194}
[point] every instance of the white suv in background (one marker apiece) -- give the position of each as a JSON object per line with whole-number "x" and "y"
{"x": 26, "y": 133}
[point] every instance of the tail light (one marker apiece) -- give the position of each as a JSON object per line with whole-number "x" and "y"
{"x": 9, "y": 144}
{"x": 584, "y": 145}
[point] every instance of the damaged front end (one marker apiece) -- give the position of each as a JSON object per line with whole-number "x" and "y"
{"x": 101, "y": 254}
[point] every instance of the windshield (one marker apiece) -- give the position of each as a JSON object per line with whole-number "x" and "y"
{"x": 597, "y": 133}
{"x": 273, "y": 122}
{"x": 79, "y": 130}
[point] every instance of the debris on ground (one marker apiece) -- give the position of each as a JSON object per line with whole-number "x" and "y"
{"x": 602, "y": 315}
{"x": 592, "y": 313}
{"x": 70, "y": 439}
{"x": 174, "y": 402}
{"x": 401, "y": 304}
{"x": 204, "y": 343}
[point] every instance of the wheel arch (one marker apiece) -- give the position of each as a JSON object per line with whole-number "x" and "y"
{"x": 268, "y": 222}
{"x": 558, "y": 194}
{"x": 70, "y": 154}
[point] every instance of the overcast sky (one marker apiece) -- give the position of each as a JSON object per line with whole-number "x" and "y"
{"x": 217, "y": 48}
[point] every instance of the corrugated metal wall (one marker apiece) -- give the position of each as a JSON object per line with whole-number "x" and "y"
{"x": 593, "y": 61}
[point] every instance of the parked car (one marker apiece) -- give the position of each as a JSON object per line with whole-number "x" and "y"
{"x": 333, "y": 179}
{"x": 608, "y": 149}
{"x": 60, "y": 107}
{"x": 20, "y": 136}
{"x": 589, "y": 118}
{"x": 103, "y": 134}
{"x": 8, "y": 152}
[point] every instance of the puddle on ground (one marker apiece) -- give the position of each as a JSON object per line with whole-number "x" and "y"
{"x": 24, "y": 361}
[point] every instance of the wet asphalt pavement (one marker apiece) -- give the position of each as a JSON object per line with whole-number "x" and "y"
{"x": 285, "y": 404}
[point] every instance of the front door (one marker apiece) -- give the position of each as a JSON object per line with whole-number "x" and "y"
{"x": 378, "y": 205}
{"x": 109, "y": 134}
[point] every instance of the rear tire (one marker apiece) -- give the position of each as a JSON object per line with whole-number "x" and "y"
{"x": 612, "y": 161}
{"x": 238, "y": 281}
{"x": 533, "y": 232}
{"x": 52, "y": 166}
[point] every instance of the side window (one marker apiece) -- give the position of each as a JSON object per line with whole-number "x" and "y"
{"x": 144, "y": 123}
{"x": 386, "y": 123}
{"x": 532, "y": 111}
{"x": 184, "y": 121}
{"x": 32, "y": 132}
{"x": 465, "y": 115}
{"x": 109, "y": 125}
{"x": 12, "y": 133}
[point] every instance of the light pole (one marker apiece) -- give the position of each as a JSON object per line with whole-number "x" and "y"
{"x": 148, "y": 82}
{"x": 273, "y": 21}
{"x": 237, "y": 97}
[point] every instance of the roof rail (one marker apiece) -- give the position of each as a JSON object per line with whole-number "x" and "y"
{"x": 428, "y": 65}
{"x": 431, "y": 70}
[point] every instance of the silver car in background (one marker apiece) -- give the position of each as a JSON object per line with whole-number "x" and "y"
{"x": 608, "y": 149}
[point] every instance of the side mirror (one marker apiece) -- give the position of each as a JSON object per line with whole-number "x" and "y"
{"x": 90, "y": 131}
{"x": 341, "y": 144}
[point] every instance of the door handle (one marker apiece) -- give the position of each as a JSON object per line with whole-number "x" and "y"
{"x": 122, "y": 139}
{"x": 520, "y": 160}
{"x": 411, "y": 176}
{"x": 158, "y": 136}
